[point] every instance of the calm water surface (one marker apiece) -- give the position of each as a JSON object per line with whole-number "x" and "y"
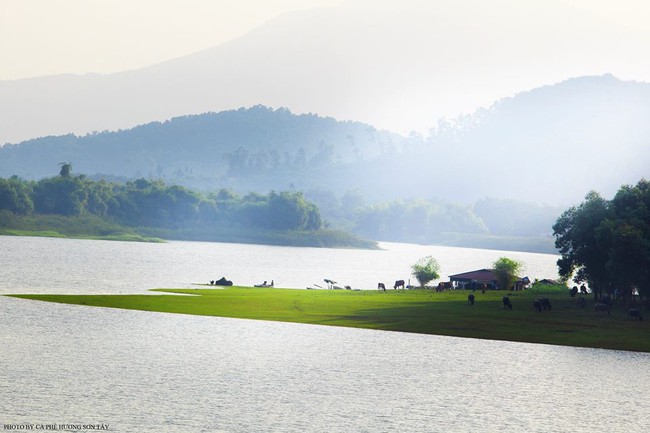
{"x": 50, "y": 265}
{"x": 154, "y": 372}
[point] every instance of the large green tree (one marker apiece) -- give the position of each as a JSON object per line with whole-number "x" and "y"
{"x": 607, "y": 243}
{"x": 15, "y": 196}
{"x": 60, "y": 195}
{"x": 290, "y": 211}
{"x": 580, "y": 243}
{"x": 628, "y": 239}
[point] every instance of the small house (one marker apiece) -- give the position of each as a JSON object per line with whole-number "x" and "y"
{"x": 475, "y": 280}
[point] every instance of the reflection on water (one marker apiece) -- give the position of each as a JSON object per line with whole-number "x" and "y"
{"x": 153, "y": 372}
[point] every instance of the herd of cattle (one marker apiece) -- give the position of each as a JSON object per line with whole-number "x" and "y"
{"x": 544, "y": 304}
{"x": 540, "y": 304}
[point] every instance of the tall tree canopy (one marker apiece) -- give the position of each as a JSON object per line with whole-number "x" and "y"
{"x": 607, "y": 243}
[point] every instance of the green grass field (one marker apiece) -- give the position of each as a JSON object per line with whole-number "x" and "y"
{"x": 417, "y": 311}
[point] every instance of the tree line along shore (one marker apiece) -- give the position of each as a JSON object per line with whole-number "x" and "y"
{"x": 148, "y": 210}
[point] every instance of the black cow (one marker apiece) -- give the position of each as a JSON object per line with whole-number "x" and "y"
{"x": 381, "y": 286}
{"x": 601, "y": 308}
{"x": 542, "y": 304}
{"x": 470, "y": 299}
{"x": 507, "y": 303}
{"x": 635, "y": 313}
{"x": 399, "y": 283}
{"x": 546, "y": 303}
{"x": 223, "y": 282}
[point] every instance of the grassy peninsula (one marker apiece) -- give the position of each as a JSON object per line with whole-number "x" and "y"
{"x": 416, "y": 311}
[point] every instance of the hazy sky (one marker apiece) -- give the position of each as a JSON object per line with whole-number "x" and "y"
{"x": 43, "y": 37}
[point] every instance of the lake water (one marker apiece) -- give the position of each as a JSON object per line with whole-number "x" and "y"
{"x": 50, "y": 265}
{"x": 154, "y": 372}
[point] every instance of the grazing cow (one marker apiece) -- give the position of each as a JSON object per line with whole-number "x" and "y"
{"x": 381, "y": 286}
{"x": 635, "y": 313}
{"x": 601, "y": 308}
{"x": 546, "y": 303}
{"x": 470, "y": 299}
{"x": 574, "y": 291}
{"x": 542, "y": 304}
{"x": 581, "y": 302}
{"x": 399, "y": 283}
{"x": 507, "y": 303}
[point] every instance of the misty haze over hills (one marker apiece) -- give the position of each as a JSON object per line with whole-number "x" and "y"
{"x": 554, "y": 143}
{"x": 548, "y": 145}
{"x": 394, "y": 65}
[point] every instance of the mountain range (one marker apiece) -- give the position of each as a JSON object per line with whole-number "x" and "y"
{"x": 394, "y": 65}
{"x": 551, "y": 145}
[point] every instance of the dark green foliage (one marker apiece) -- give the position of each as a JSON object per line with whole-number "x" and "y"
{"x": 170, "y": 210}
{"x": 60, "y": 195}
{"x": 607, "y": 243}
{"x": 15, "y": 196}
{"x": 287, "y": 210}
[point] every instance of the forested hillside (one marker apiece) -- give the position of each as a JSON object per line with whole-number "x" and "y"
{"x": 152, "y": 208}
{"x": 255, "y": 149}
{"x": 548, "y": 145}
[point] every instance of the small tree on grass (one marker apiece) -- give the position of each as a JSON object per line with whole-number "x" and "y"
{"x": 425, "y": 270}
{"x": 506, "y": 271}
